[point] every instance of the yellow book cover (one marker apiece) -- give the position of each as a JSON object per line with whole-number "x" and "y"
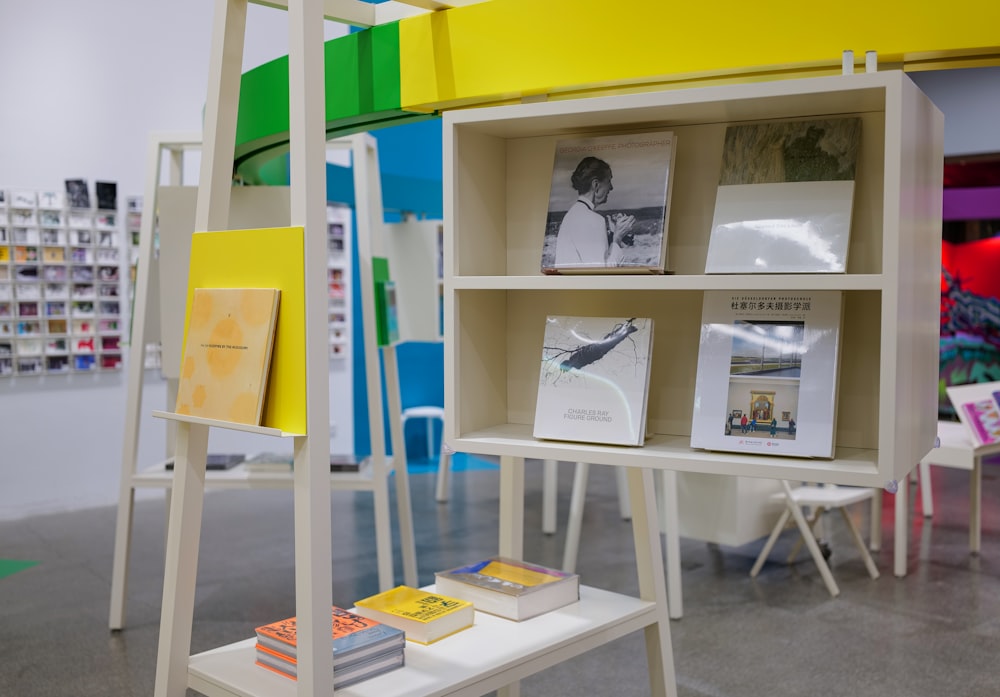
{"x": 227, "y": 353}
{"x": 425, "y": 616}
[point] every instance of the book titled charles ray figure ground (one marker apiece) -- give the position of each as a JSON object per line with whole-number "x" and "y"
{"x": 227, "y": 353}
{"x": 362, "y": 647}
{"x": 785, "y": 197}
{"x": 594, "y": 379}
{"x": 425, "y": 616}
{"x": 768, "y": 367}
{"x": 509, "y": 588}
{"x": 609, "y": 204}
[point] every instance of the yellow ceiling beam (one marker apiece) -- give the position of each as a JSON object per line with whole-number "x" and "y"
{"x": 503, "y": 50}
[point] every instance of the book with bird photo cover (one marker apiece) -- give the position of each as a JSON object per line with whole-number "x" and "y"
{"x": 510, "y": 588}
{"x": 785, "y": 197}
{"x": 609, "y": 204}
{"x": 768, "y": 365}
{"x": 594, "y": 379}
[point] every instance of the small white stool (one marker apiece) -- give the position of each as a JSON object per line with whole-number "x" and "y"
{"x": 432, "y": 413}
{"x": 819, "y": 499}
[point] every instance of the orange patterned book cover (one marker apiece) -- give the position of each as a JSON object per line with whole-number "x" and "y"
{"x": 354, "y": 637}
{"x": 227, "y": 353}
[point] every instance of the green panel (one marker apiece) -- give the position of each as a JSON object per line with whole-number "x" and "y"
{"x": 385, "y": 70}
{"x": 380, "y": 276}
{"x": 362, "y": 94}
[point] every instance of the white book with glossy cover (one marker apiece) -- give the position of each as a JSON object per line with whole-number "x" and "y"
{"x": 594, "y": 379}
{"x": 785, "y": 197}
{"x": 768, "y": 366}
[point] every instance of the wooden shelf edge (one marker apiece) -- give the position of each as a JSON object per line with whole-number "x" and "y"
{"x": 672, "y": 282}
{"x": 231, "y": 425}
{"x": 855, "y": 466}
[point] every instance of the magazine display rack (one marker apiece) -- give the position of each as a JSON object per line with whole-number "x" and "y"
{"x": 60, "y": 285}
{"x": 497, "y": 168}
{"x": 250, "y": 206}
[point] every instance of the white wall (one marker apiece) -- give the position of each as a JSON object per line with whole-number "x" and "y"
{"x": 86, "y": 84}
{"x": 970, "y": 101}
{"x": 88, "y": 81}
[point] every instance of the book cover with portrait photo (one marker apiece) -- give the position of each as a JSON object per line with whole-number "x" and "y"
{"x": 609, "y": 204}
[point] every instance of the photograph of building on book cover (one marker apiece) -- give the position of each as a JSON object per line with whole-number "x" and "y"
{"x": 764, "y": 372}
{"x": 609, "y": 204}
{"x": 593, "y": 379}
{"x": 767, "y": 372}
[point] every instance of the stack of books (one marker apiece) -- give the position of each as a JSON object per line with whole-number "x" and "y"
{"x": 362, "y": 648}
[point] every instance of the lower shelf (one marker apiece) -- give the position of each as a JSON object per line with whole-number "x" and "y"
{"x": 492, "y": 653}
{"x": 238, "y": 477}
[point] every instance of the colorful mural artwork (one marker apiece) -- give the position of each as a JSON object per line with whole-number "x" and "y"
{"x": 970, "y": 315}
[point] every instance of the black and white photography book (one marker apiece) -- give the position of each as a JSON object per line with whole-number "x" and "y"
{"x": 594, "y": 379}
{"x": 107, "y": 195}
{"x": 609, "y": 204}
{"x": 77, "y": 193}
{"x": 785, "y": 197}
{"x": 767, "y": 373}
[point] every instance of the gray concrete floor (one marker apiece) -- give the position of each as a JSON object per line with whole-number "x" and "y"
{"x": 935, "y": 631}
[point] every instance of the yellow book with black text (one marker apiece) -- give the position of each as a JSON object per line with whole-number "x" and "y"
{"x": 227, "y": 353}
{"x": 425, "y": 616}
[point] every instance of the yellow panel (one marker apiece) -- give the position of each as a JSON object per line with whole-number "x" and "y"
{"x": 507, "y": 49}
{"x": 263, "y": 258}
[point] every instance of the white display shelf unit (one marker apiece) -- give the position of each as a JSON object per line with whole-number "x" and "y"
{"x": 338, "y": 226}
{"x": 60, "y": 287}
{"x": 498, "y": 163}
{"x": 494, "y": 652}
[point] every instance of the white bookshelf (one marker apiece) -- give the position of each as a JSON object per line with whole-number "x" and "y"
{"x": 497, "y": 169}
{"x": 496, "y": 166}
{"x": 60, "y": 286}
{"x": 492, "y": 653}
{"x": 338, "y": 274}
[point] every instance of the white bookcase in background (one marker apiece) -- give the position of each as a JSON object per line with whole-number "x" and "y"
{"x": 61, "y": 307}
{"x": 498, "y": 161}
{"x": 338, "y": 230}
{"x": 412, "y": 248}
